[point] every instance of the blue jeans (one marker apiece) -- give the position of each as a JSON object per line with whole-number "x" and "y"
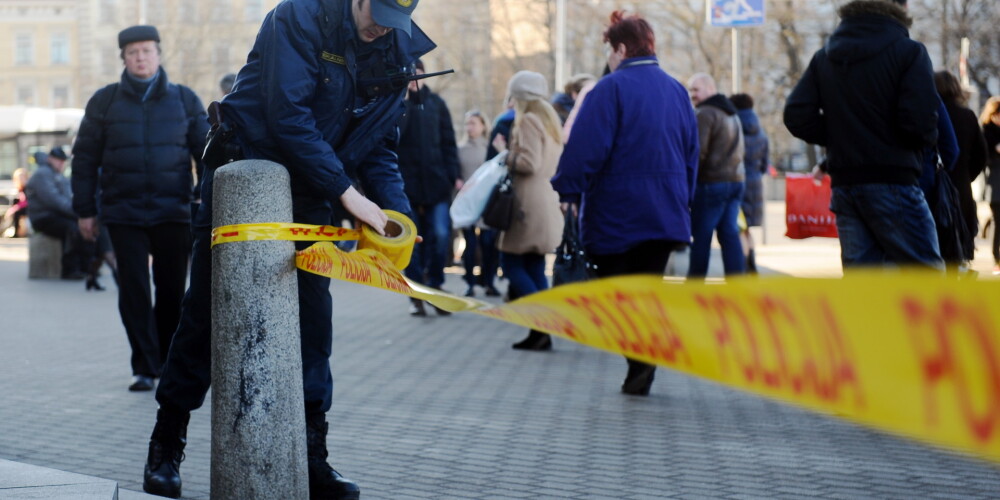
{"x": 427, "y": 264}
{"x": 525, "y": 272}
{"x": 715, "y": 209}
{"x": 486, "y": 241}
{"x": 885, "y": 223}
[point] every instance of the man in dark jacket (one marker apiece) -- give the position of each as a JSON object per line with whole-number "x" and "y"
{"x": 717, "y": 197}
{"x": 305, "y": 99}
{"x": 133, "y": 159}
{"x": 50, "y": 210}
{"x": 868, "y": 97}
{"x": 428, "y": 160}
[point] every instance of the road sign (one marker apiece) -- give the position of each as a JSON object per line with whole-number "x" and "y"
{"x": 735, "y": 13}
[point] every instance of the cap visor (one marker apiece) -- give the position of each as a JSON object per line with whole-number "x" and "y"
{"x": 390, "y": 18}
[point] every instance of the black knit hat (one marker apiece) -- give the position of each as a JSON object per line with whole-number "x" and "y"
{"x": 140, "y": 33}
{"x": 58, "y": 153}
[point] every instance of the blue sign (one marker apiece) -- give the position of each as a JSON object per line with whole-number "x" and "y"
{"x": 735, "y": 13}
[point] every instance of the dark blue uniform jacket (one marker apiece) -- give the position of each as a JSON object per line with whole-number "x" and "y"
{"x": 297, "y": 101}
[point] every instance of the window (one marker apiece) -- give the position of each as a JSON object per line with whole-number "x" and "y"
{"x": 220, "y": 10}
{"x": 24, "y": 50}
{"x": 109, "y": 11}
{"x": 25, "y": 95}
{"x": 155, "y": 12}
{"x": 188, "y": 11}
{"x": 60, "y": 96}
{"x": 253, "y": 11}
{"x": 60, "y": 49}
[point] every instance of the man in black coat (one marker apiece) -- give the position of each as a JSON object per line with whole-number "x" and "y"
{"x": 868, "y": 97}
{"x": 133, "y": 166}
{"x": 428, "y": 161}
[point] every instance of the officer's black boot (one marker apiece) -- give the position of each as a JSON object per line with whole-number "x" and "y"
{"x": 324, "y": 482}
{"x": 166, "y": 451}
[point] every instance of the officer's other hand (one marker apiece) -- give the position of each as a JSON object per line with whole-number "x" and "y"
{"x": 364, "y": 210}
{"x": 88, "y": 228}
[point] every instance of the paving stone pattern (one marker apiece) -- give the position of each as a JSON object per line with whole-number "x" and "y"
{"x": 442, "y": 408}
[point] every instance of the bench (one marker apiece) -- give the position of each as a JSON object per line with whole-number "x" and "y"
{"x": 44, "y": 257}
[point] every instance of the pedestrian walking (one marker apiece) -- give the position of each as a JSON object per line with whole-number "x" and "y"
{"x": 428, "y": 161}
{"x": 719, "y": 192}
{"x": 990, "y": 121}
{"x": 868, "y": 97}
{"x": 630, "y": 167}
{"x": 133, "y": 166}
{"x": 480, "y": 240}
{"x": 971, "y": 159}
{"x": 536, "y": 228}
{"x": 755, "y": 161}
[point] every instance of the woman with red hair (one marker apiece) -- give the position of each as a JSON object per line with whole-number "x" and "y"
{"x": 629, "y": 175}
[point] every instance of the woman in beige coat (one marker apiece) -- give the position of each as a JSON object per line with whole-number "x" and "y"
{"x": 535, "y": 147}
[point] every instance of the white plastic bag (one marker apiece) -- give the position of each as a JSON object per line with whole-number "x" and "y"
{"x": 470, "y": 201}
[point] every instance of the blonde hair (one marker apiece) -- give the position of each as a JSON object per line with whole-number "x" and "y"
{"x": 991, "y": 108}
{"x": 544, "y": 111}
{"x": 19, "y": 178}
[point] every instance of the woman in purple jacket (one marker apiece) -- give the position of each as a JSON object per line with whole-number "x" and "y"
{"x": 630, "y": 172}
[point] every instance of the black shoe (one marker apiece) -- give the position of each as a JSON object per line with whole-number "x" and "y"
{"x": 324, "y": 482}
{"x": 751, "y": 263}
{"x": 470, "y": 292}
{"x": 162, "y": 474}
{"x": 441, "y": 312}
{"x": 141, "y": 383}
{"x": 639, "y": 379}
{"x": 93, "y": 284}
{"x": 535, "y": 341}
{"x": 491, "y": 291}
{"x": 417, "y": 308}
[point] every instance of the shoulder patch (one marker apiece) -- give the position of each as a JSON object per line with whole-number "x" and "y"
{"x": 334, "y": 58}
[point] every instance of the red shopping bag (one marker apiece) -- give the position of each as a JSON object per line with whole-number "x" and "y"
{"x": 807, "y": 207}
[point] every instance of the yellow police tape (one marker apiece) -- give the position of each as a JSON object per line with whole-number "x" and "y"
{"x": 906, "y": 352}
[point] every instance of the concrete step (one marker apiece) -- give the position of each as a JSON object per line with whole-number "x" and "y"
{"x": 23, "y": 482}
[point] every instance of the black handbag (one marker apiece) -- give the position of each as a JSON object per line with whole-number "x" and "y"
{"x": 571, "y": 264}
{"x": 499, "y": 212}
{"x": 955, "y": 239}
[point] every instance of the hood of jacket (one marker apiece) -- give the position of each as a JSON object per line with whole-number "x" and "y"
{"x": 720, "y": 101}
{"x": 866, "y": 29}
{"x": 564, "y": 100}
{"x": 750, "y": 122}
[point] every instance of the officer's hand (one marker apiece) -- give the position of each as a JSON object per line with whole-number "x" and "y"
{"x": 88, "y": 228}
{"x": 364, "y": 210}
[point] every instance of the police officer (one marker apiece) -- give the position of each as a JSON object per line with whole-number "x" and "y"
{"x": 132, "y": 164}
{"x": 310, "y": 98}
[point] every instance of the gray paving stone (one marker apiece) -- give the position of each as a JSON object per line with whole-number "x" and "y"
{"x": 443, "y": 408}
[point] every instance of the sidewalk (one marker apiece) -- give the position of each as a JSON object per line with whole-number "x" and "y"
{"x": 442, "y": 408}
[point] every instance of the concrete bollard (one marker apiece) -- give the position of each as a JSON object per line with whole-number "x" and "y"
{"x": 258, "y": 419}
